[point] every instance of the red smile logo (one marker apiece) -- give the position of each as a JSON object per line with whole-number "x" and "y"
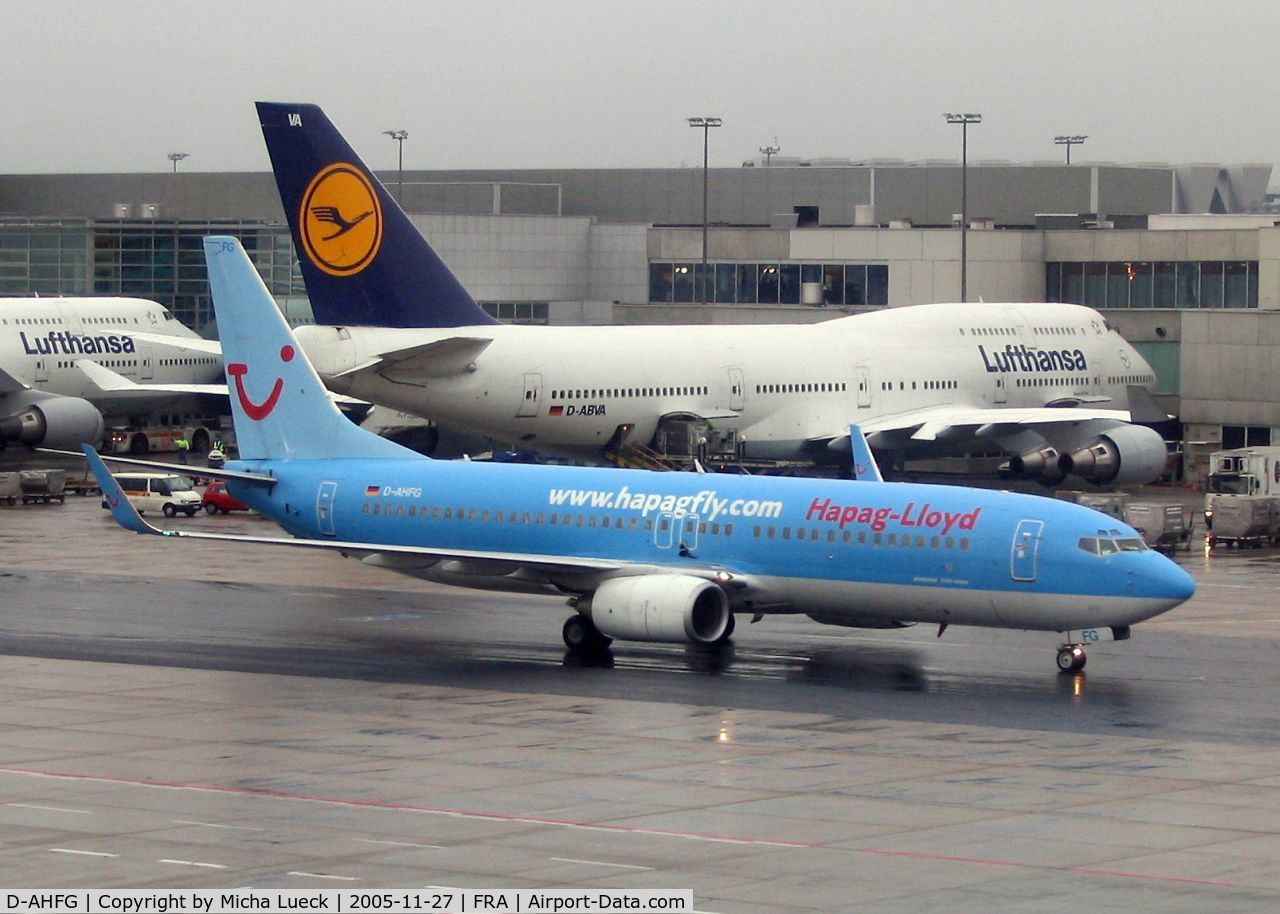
{"x": 258, "y": 411}
{"x": 113, "y": 501}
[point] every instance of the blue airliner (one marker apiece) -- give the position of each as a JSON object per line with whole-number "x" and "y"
{"x": 659, "y": 556}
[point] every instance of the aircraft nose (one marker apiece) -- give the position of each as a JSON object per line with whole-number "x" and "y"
{"x": 1175, "y": 585}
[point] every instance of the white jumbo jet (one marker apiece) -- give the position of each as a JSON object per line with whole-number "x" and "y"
{"x": 1053, "y": 385}
{"x": 65, "y": 363}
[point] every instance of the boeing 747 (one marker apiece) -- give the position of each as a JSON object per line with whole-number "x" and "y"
{"x": 1052, "y": 385}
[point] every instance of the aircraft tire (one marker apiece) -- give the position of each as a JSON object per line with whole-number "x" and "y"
{"x": 580, "y": 634}
{"x": 1071, "y": 659}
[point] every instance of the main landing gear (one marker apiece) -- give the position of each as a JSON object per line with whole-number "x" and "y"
{"x": 1071, "y": 658}
{"x": 581, "y": 634}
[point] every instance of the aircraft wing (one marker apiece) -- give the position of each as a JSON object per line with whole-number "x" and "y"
{"x": 190, "y": 344}
{"x": 936, "y": 422}
{"x": 109, "y": 381}
{"x": 437, "y": 359}
{"x": 9, "y": 384}
{"x": 127, "y": 516}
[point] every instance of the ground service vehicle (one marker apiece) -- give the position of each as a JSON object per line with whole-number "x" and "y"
{"x": 1251, "y": 471}
{"x": 165, "y": 492}
{"x": 216, "y": 499}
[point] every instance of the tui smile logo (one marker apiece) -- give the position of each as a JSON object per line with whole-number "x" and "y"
{"x": 340, "y": 220}
{"x": 258, "y": 411}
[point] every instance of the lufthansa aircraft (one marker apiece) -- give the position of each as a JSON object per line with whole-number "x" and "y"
{"x": 1052, "y": 384}
{"x": 658, "y": 556}
{"x": 67, "y": 362}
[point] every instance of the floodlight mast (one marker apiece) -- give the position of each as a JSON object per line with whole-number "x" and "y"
{"x": 964, "y": 120}
{"x": 706, "y": 123}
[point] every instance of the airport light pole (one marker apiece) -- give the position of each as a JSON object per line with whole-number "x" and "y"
{"x": 706, "y": 123}
{"x": 964, "y": 120}
{"x": 770, "y": 151}
{"x": 175, "y": 158}
{"x": 399, "y": 136}
{"x": 1070, "y": 141}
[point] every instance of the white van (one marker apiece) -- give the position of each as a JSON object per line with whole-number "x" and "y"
{"x": 167, "y": 492}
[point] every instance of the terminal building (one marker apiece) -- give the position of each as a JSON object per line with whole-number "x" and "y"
{"x": 1183, "y": 260}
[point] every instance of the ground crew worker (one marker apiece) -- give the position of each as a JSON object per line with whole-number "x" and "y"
{"x": 183, "y": 445}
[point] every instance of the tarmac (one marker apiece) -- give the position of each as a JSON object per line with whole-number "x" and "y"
{"x": 196, "y": 714}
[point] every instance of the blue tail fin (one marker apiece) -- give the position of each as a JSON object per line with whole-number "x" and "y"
{"x": 279, "y": 406}
{"x": 364, "y": 262}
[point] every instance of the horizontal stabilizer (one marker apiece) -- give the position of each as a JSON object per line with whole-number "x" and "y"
{"x": 437, "y": 359}
{"x": 161, "y": 467}
{"x": 109, "y": 381}
{"x": 180, "y": 343}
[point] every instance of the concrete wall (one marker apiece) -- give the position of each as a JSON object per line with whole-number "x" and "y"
{"x": 541, "y": 258}
{"x": 1230, "y": 367}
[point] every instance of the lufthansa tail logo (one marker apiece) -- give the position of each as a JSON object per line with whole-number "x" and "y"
{"x": 340, "y": 221}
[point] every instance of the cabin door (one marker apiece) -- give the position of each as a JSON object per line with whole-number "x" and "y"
{"x": 532, "y": 396}
{"x": 737, "y": 390}
{"x": 863, "y": 376}
{"x": 324, "y": 508}
{"x": 1026, "y": 543}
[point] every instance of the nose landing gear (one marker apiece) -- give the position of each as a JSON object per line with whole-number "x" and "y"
{"x": 1071, "y": 658}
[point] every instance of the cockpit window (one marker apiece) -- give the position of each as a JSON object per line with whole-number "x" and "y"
{"x": 1107, "y": 545}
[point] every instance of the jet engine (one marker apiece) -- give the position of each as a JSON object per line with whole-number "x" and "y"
{"x": 1041, "y": 464}
{"x": 52, "y": 421}
{"x": 675, "y": 608}
{"x": 1127, "y": 454}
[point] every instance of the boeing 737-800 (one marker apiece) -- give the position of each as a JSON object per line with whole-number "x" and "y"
{"x": 65, "y": 363}
{"x": 1054, "y": 385}
{"x": 658, "y": 556}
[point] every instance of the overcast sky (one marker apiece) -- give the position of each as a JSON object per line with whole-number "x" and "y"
{"x": 115, "y": 86}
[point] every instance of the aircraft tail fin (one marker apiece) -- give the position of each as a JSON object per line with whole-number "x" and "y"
{"x": 280, "y": 408}
{"x": 364, "y": 261}
{"x": 864, "y": 464}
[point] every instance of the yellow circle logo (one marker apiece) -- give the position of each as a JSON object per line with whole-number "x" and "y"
{"x": 341, "y": 220}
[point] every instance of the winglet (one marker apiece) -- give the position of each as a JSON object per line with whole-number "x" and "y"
{"x": 864, "y": 465}
{"x": 122, "y": 509}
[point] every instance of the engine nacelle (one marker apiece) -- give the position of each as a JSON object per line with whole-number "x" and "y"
{"x": 1127, "y": 454}
{"x": 675, "y": 608}
{"x": 1041, "y": 464}
{"x": 52, "y": 421}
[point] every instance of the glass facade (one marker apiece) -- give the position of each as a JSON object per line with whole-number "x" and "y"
{"x": 817, "y": 284}
{"x": 158, "y": 260}
{"x": 1158, "y": 284}
{"x": 517, "y": 312}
